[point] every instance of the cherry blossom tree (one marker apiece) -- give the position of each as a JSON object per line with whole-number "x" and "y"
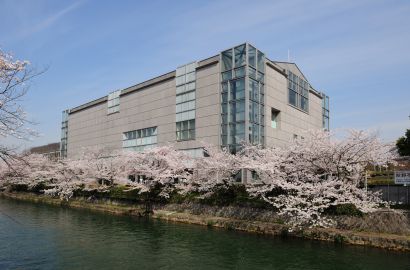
{"x": 101, "y": 165}
{"x": 312, "y": 174}
{"x": 302, "y": 181}
{"x": 158, "y": 172}
{"x": 14, "y": 78}
{"x": 216, "y": 168}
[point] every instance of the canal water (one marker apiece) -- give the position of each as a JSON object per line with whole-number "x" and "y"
{"x": 34, "y": 236}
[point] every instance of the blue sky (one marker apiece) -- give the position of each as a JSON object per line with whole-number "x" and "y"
{"x": 355, "y": 51}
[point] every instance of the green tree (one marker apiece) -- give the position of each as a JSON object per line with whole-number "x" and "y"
{"x": 403, "y": 144}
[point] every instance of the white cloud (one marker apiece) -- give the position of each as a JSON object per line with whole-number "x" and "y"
{"x": 47, "y": 22}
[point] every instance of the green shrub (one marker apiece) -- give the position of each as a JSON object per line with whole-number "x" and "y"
{"x": 228, "y": 226}
{"x": 19, "y": 187}
{"x": 122, "y": 193}
{"x": 210, "y": 223}
{"x": 401, "y": 206}
{"x": 38, "y": 188}
{"x": 90, "y": 193}
{"x": 339, "y": 239}
{"x": 347, "y": 209}
{"x": 284, "y": 232}
{"x": 224, "y": 195}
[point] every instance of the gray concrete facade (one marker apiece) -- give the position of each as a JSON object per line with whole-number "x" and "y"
{"x": 153, "y": 104}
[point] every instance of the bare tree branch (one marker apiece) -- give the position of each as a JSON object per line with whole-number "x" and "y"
{"x": 15, "y": 76}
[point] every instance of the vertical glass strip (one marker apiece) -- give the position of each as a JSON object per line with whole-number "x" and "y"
{"x": 242, "y": 91}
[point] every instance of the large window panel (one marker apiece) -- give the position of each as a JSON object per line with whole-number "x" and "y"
{"x": 190, "y": 86}
{"x": 224, "y": 118}
{"x": 190, "y": 77}
{"x": 292, "y": 97}
{"x": 227, "y": 75}
{"x": 239, "y": 72}
{"x": 227, "y": 60}
{"x": 254, "y": 112}
{"x": 141, "y": 139}
{"x": 238, "y": 116}
{"x": 238, "y": 89}
{"x": 304, "y": 103}
{"x": 180, "y": 71}
{"x": 325, "y": 111}
{"x": 190, "y": 67}
{"x": 255, "y": 134}
{"x": 252, "y": 56}
{"x": 274, "y": 118}
{"x": 252, "y": 73}
{"x": 224, "y": 97}
{"x": 185, "y": 116}
{"x": 261, "y": 90}
{"x": 185, "y": 130}
{"x": 180, "y": 89}
{"x": 180, "y": 80}
{"x": 238, "y": 106}
{"x": 260, "y": 76}
{"x": 224, "y": 129}
{"x": 253, "y": 90}
{"x": 240, "y": 55}
{"x": 186, "y": 106}
{"x": 298, "y": 91}
{"x": 261, "y": 61}
{"x": 224, "y": 108}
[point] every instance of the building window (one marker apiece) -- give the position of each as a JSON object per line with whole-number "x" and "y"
{"x": 227, "y": 60}
{"x": 252, "y": 57}
{"x": 114, "y": 102}
{"x": 274, "y": 118}
{"x": 185, "y": 130}
{"x": 140, "y": 139}
{"x": 240, "y": 55}
{"x": 185, "y": 102}
{"x": 298, "y": 92}
{"x": 325, "y": 112}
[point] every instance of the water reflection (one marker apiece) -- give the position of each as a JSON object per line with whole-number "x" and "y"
{"x": 44, "y": 237}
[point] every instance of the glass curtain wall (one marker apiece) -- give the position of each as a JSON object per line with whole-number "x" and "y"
{"x": 325, "y": 111}
{"x": 242, "y": 97}
{"x": 298, "y": 91}
{"x": 185, "y": 102}
{"x": 64, "y": 134}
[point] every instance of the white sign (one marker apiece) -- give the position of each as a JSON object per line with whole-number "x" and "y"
{"x": 402, "y": 177}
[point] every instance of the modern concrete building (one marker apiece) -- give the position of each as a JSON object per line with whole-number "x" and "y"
{"x": 51, "y": 150}
{"x": 237, "y": 95}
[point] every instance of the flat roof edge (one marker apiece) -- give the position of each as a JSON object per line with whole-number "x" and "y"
{"x": 208, "y": 61}
{"x": 88, "y": 104}
{"x": 167, "y": 76}
{"x": 271, "y": 64}
{"x": 147, "y": 83}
